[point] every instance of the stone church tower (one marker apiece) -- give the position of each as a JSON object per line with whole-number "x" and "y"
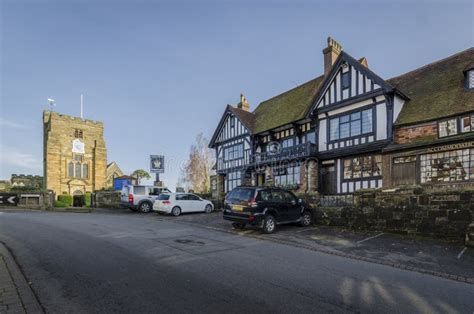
{"x": 74, "y": 156}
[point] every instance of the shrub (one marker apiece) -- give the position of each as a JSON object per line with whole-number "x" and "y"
{"x": 87, "y": 199}
{"x": 65, "y": 199}
{"x": 60, "y": 204}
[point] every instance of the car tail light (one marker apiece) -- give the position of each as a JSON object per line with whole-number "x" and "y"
{"x": 166, "y": 202}
{"x": 130, "y": 198}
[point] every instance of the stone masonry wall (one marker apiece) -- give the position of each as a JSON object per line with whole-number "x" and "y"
{"x": 106, "y": 199}
{"x": 408, "y": 134}
{"x": 409, "y": 210}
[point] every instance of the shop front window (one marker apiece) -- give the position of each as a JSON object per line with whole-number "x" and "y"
{"x": 363, "y": 167}
{"x": 451, "y": 166}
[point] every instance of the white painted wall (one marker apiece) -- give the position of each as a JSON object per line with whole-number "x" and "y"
{"x": 381, "y": 116}
{"x": 397, "y": 107}
{"x": 322, "y": 144}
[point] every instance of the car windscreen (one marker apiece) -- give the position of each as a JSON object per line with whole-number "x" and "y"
{"x": 241, "y": 195}
{"x": 163, "y": 197}
{"x": 139, "y": 190}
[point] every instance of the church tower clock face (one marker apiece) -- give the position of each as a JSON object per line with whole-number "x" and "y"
{"x": 78, "y": 146}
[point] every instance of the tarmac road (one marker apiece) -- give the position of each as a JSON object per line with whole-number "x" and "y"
{"x": 104, "y": 262}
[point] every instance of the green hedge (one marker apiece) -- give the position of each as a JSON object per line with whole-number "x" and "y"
{"x": 60, "y": 204}
{"x": 87, "y": 199}
{"x": 64, "y": 199}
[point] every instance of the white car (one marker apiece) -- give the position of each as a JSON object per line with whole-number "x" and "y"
{"x": 177, "y": 203}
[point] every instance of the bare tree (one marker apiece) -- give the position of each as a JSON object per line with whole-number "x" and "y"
{"x": 197, "y": 170}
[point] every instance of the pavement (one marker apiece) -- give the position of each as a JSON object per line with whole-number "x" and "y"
{"x": 125, "y": 262}
{"x": 16, "y": 295}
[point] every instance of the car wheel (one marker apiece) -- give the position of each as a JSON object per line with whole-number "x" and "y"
{"x": 176, "y": 211}
{"x": 145, "y": 207}
{"x": 236, "y": 225}
{"x": 208, "y": 209}
{"x": 306, "y": 218}
{"x": 269, "y": 224}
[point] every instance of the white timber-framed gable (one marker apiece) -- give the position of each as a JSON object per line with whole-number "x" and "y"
{"x": 232, "y": 142}
{"x": 355, "y": 110}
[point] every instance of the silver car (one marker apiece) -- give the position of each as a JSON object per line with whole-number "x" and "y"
{"x": 140, "y": 197}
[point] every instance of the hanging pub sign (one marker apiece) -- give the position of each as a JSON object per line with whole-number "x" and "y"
{"x": 157, "y": 163}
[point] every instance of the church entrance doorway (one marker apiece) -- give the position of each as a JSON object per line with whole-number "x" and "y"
{"x": 78, "y": 199}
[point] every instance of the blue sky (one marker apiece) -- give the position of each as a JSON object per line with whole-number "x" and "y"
{"x": 159, "y": 72}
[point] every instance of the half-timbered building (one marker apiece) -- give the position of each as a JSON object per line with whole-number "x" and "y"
{"x": 338, "y": 132}
{"x": 433, "y": 142}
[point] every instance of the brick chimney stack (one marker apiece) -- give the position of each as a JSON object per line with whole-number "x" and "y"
{"x": 331, "y": 52}
{"x": 243, "y": 104}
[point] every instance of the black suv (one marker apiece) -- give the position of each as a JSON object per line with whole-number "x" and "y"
{"x": 265, "y": 207}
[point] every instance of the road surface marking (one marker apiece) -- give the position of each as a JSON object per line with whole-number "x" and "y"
{"x": 367, "y": 239}
{"x": 462, "y": 252}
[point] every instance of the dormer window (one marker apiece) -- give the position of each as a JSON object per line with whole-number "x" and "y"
{"x": 470, "y": 79}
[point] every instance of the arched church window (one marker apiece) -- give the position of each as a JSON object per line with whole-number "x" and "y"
{"x": 85, "y": 171}
{"x": 77, "y": 170}
{"x": 70, "y": 169}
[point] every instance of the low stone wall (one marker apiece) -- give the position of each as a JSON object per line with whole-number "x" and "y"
{"x": 31, "y": 199}
{"x": 407, "y": 210}
{"x": 106, "y": 199}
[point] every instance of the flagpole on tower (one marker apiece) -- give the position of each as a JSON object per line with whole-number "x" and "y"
{"x": 52, "y": 103}
{"x": 82, "y": 106}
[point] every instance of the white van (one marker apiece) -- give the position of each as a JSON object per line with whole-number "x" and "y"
{"x": 140, "y": 197}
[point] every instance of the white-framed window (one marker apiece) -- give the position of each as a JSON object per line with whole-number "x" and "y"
{"x": 470, "y": 79}
{"x": 363, "y": 167}
{"x": 448, "y": 127}
{"x": 450, "y": 166}
{"x": 467, "y": 123}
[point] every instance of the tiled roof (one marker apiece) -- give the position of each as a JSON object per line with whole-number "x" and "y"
{"x": 247, "y": 118}
{"x": 287, "y": 107}
{"x": 436, "y": 90}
